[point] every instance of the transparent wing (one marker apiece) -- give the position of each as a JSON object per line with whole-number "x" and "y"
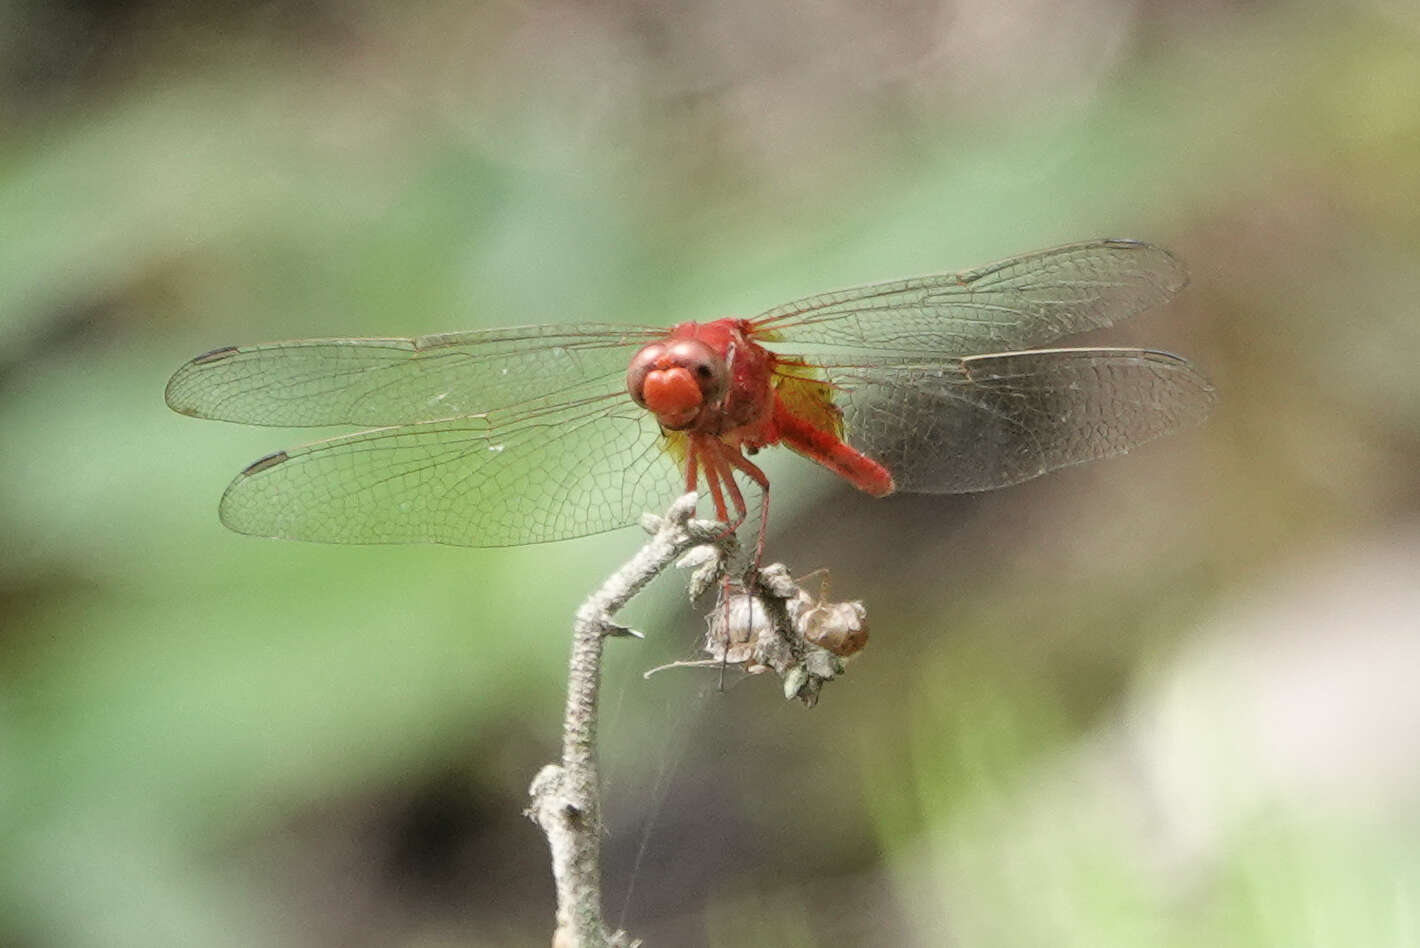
{"x": 402, "y": 381}
{"x": 988, "y": 421}
{"x": 1015, "y": 304}
{"x": 498, "y": 479}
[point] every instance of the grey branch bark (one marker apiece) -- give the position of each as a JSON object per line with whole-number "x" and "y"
{"x": 566, "y": 797}
{"x": 767, "y": 623}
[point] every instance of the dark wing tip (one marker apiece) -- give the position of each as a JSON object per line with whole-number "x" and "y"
{"x": 215, "y": 355}
{"x": 177, "y": 395}
{"x": 1164, "y": 357}
{"x": 264, "y": 464}
{"x": 238, "y": 517}
{"x": 1206, "y": 395}
{"x": 1172, "y": 270}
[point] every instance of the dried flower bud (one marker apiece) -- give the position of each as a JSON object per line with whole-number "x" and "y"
{"x": 839, "y": 627}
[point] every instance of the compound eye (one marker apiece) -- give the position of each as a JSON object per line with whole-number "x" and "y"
{"x": 636, "y": 382}
{"x": 641, "y": 366}
{"x": 707, "y": 368}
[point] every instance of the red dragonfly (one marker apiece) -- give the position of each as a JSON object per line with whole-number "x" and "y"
{"x": 510, "y": 436}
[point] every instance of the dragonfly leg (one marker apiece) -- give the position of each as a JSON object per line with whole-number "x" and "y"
{"x": 701, "y": 448}
{"x": 752, "y": 471}
{"x": 737, "y": 498}
{"x": 721, "y": 461}
{"x": 724, "y": 478}
{"x": 718, "y": 475}
{"x": 692, "y": 469}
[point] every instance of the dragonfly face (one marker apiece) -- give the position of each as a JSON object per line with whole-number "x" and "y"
{"x": 678, "y": 381}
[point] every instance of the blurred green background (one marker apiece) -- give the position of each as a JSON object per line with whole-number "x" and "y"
{"x": 1167, "y": 699}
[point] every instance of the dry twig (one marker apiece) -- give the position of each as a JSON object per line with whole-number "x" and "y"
{"x": 566, "y": 796}
{"x": 768, "y": 623}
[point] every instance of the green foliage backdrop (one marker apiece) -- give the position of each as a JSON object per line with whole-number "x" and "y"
{"x": 1161, "y": 700}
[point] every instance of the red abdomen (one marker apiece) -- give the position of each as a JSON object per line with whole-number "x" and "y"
{"x": 828, "y": 449}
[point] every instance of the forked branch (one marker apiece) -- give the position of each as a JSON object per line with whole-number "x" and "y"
{"x": 768, "y": 623}
{"x": 566, "y": 799}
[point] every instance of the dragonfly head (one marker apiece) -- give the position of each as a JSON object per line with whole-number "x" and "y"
{"x": 676, "y": 380}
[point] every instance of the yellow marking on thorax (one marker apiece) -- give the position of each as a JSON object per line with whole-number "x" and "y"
{"x": 809, "y": 397}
